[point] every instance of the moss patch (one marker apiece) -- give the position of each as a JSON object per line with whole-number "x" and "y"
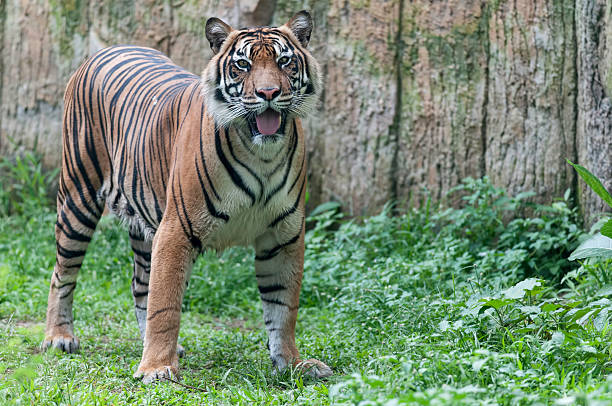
{"x": 67, "y": 16}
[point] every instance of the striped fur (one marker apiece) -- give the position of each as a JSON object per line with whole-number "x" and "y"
{"x": 180, "y": 160}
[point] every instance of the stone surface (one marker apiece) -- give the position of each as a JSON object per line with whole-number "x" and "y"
{"x": 418, "y": 94}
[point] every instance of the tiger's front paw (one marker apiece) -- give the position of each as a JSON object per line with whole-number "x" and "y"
{"x": 152, "y": 374}
{"x": 65, "y": 342}
{"x": 314, "y": 368}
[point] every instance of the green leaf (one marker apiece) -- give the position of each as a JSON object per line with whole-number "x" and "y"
{"x": 593, "y": 182}
{"x": 518, "y": 291}
{"x": 530, "y": 309}
{"x": 323, "y": 207}
{"x": 607, "y": 229}
{"x": 494, "y": 303}
{"x": 605, "y": 291}
{"x": 597, "y": 246}
{"x": 549, "y": 307}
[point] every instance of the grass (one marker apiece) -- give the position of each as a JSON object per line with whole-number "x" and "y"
{"x": 436, "y": 306}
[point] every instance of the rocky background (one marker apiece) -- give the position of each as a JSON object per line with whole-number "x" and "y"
{"x": 418, "y": 94}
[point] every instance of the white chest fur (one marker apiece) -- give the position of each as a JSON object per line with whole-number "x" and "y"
{"x": 274, "y": 188}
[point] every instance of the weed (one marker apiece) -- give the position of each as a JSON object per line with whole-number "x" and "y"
{"x": 25, "y": 185}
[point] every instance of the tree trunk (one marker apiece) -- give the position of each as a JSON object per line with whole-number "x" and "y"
{"x": 418, "y": 94}
{"x": 594, "y": 81}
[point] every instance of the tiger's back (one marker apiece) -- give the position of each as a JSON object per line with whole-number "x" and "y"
{"x": 124, "y": 107}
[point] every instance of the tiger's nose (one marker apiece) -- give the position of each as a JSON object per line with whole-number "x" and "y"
{"x": 267, "y": 93}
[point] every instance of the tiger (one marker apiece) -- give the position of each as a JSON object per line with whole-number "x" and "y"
{"x": 190, "y": 163}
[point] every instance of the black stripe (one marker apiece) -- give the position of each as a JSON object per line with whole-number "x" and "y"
{"x": 65, "y": 295}
{"x": 291, "y": 210}
{"x": 278, "y": 187}
{"x": 136, "y": 237}
{"x": 140, "y": 294}
{"x": 76, "y": 160}
{"x": 145, "y": 268}
{"x": 278, "y": 302}
{"x": 146, "y": 255}
{"x": 69, "y": 253}
{"x": 142, "y": 264}
{"x": 212, "y": 186}
{"x": 269, "y": 254}
{"x": 229, "y": 168}
{"x": 258, "y": 275}
{"x": 300, "y": 172}
{"x": 195, "y": 243}
{"x": 74, "y": 209}
{"x": 139, "y": 281}
{"x": 165, "y": 330}
{"x": 270, "y": 289}
{"x": 219, "y": 96}
{"x": 155, "y": 313}
{"x": 209, "y": 204}
{"x": 89, "y": 136}
{"x": 194, "y": 240}
{"x": 71, "y": 233}
{"x": 65, "y": 284}
{"x": 239, "y": 162}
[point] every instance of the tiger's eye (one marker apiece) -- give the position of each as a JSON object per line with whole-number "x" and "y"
{"x": 284, "y": 60}
{"x": 241, "y": 63}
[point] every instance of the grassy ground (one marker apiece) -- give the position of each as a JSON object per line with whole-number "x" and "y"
{"x": 432, "y": 307}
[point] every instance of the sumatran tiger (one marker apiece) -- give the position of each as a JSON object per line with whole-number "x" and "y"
{"x": 190, "y": 163}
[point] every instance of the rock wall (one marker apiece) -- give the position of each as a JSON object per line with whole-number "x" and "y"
{"x": 418, "y": 94}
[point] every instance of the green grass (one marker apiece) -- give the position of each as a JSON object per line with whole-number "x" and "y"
{"x": 436, "y": 306}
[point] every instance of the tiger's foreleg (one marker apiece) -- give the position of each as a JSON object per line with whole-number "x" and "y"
{"x": 278, "y": 269}
{"x": 140, "y": 281}
{"x": 172, "y": 259}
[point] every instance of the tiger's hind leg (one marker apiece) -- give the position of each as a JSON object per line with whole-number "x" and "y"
{"x": 80, "y": 202}
{"x": 76, "y": 223}
{"x": 140, "y": 281}
{"x": 140, "y": 278}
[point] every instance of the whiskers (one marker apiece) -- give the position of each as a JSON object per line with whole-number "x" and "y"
{"x": 233, "y": 110}
{"x": 225, "y": 113}
{"x": 302, "y": 104}
{"x": 238, "y": 110}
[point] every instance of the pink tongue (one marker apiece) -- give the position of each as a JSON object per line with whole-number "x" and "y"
{"x": 268, "y": 122}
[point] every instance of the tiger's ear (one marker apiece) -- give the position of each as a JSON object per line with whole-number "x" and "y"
{"x": 216, "y": 32}
{"x": 301, "y": 26}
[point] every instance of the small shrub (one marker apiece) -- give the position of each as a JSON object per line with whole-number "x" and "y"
{"x": 25, "y": 185}
{"x": 600, "y": 245}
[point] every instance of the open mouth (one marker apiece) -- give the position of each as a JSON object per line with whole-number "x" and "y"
{"x": 266, "y": 124}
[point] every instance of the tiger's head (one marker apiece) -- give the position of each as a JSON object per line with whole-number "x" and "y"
{"x": 261, "y": 78}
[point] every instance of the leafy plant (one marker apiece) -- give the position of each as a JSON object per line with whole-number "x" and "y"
{"x": 489, "y": 220}
{"x": 599, "y": 245}
{"x": 25, "y": 185}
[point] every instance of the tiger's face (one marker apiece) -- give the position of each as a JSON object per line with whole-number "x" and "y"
{"x": 261, "y": 78}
